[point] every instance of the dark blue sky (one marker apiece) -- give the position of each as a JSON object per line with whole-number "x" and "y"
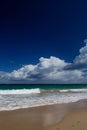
{"x": 32, "y": 29}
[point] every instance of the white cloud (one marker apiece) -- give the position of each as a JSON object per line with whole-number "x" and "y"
{"x": 82, "y": 58}
{"x": 42, "y": 70}
{"x": 51, "y": 62}
{"x": 23, "y": 72}
{"x": 50, "y": 70}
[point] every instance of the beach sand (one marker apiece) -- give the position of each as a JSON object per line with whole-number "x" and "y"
{"x": 71, "y": 116}
{"x": 73, "y": 121}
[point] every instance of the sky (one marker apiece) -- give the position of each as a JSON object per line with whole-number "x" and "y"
{"x": 43, "y": 41}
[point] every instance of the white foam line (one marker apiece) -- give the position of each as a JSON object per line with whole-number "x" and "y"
{"x": 73, "y": 90}
{"x": 19, "y": 91}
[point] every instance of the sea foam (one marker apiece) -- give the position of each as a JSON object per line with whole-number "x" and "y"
{"x": 19, "y": 91}
{"x": 25, "y": 98}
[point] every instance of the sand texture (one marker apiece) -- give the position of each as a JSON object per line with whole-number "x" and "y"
{"x": 73, "y": 121}
{"x": 72, "y": 116}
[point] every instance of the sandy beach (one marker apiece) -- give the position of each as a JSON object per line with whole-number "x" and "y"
{"x": 73, "y": 121}
{"x": 71, "y": 116}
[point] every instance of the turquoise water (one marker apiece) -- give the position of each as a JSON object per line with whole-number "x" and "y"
{"x": 42, "y": 86}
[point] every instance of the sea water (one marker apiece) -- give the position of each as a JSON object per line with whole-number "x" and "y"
{"x": 25, "y": 96}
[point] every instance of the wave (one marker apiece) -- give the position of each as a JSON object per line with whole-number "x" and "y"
{"x": 38, "y": 90}
{"x": 63, "y": 90}
{"x": 25, "y": 98}
{"x": 73, "y": 90}
{"x": 19, "y": 91}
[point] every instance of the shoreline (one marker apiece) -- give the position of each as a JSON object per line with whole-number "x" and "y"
{"x": 41, "y": 105}
{"x": 39, "y": 118}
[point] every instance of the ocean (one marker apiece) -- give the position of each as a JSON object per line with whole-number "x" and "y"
{"x": 24, "y": 96}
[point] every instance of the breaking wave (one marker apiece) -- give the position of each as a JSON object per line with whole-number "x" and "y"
{"x": 19, "y": 91}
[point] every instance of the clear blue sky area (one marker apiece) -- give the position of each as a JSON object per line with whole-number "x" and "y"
{"x": 30, "y": 29}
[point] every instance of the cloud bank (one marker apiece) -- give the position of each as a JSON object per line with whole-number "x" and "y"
{"x": 51, "y": 70}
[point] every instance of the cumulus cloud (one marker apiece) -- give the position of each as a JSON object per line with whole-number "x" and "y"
{"x": 51, "y": 70}
{"x": 80, "y": 61}
{"x": 82, "y": 58}
{"x": 44, "y": 71}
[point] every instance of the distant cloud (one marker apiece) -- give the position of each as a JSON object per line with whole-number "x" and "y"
{"x": 82, "y": 58}
{"x": 51, "y": 70}
{"x": 80, "y": 61}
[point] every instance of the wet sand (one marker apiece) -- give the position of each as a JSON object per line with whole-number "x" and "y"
{"x": 71, "y": 116}
{"x": 73, "y": 121}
